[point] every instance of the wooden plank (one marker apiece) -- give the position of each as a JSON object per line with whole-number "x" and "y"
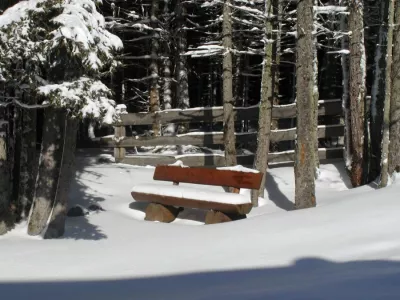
{"x": 148, "y": 160}
{"x": 323, "y": 132}
{"x": 246, "y": 180}
{"x": 214, "y": 138}
{"x": 288, "y": 156}
{"x": 182, "y": 202}
{"x": 219, "y": 161}
{"x": 215, "y": 114}
{"x": 207, "y": 160}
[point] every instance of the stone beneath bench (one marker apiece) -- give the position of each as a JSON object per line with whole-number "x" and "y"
{"x": 161, "y": 213}
{"x": 215, "y": 217}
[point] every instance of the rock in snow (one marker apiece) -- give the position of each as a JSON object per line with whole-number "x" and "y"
{"x": 77, "y": 211}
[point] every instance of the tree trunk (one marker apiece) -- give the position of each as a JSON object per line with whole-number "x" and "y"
{"x": 182, "y": 87}
{"x": 394, "y": 146}
{"x": 154, "y": 88}
{"x": 315, "y": 92}
{"x": 239, "y": 62}
{"x": 378, "y": 94}
{"x": 56, "y": 226}
{"x": 167, "y": 92}
{"x": 5, "y": 214}
{"x": 28, "y": 163}
{"x": 388, "y": 96}
{"x": 167, "y": 87}
{"x": 305, "y": 145}
{"x": 345, "y": 95}
{"x": 49, "y": 170}
{"x": 181, "y": 64}
{"x": 228, "y": 101}
{"x": 277, "y": 11}
{"x": 16, "y": 154}
{"x": 266, "y": 102}
{"x": 357, "y": 89}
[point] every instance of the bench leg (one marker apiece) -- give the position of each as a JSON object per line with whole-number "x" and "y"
{"x": 215, "y": 217}
{"x": 161, "y": 213}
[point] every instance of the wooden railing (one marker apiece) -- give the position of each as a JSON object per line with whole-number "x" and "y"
{"x": 119, "y": 141}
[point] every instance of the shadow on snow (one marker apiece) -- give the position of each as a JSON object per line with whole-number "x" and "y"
{"x": 308, "y": 279}
{"x": 80, "y": 228}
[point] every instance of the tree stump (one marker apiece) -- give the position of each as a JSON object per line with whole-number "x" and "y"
{"x": 215, "y": 217}
{"x": 161, "y": 213}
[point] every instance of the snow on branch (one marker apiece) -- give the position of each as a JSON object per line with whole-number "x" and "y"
{"x": 205, "y": 50}
{"x": 330, "y": 9}
{"x": 85, "y": 98}
{"x": 70, "y": 41}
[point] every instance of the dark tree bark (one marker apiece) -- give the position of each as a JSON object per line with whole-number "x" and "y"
{"x": 315, "y": 92}
{"x": 28, "y": 162}
{"x": 305, "y": 146}
{"x": 378, "y": 94}
{"x": 56, "y": 227}
{"x": 181, "y": 69}
{"x": 394, "y": 146}
{"x": 345, "y": 95}
{"x": 6, "y": 219}
{"x": 228, "y": 100}
{"x": 167, "y": 92}
{"x": 49, "y": 170}
{"x": 182, "y": 91}
{"x": 357, "y": 90}
{"x": 154, "y": 87}
{"x": 388, "y": 96}
{"x": 277, "y": 10}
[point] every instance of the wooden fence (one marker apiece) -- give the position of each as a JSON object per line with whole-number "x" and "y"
{"x": 119, "y": 141}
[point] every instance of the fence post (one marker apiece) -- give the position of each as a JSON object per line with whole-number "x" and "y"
{"x": 119, "y": 134}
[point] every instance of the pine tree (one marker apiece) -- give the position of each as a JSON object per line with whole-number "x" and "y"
{"x": 66, "y": 49}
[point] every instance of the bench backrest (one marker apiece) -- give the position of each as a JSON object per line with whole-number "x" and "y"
{"x": 227, "y": 178}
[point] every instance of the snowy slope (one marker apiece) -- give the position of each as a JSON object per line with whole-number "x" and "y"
{"x": 346, "y": 248}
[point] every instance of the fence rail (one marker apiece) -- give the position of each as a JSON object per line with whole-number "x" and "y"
{"x": 211, "y": 138}
{"x": 218, "y": 160}
{"x": 119, "y": 141}
{"x": 215, "y": 114}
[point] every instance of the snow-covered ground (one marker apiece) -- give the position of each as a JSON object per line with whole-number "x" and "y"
{"x": 346, "y": 248}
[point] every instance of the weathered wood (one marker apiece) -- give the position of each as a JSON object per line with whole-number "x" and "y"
{"x": 119, "y": 152}
{"x": 183, "y": 202}
{"x": 218, "y": 160}
{"x": 215, "y": 114}
{"x": 215, "y": 217}
{"x": 212, "y": 138}
{"x": 161, "y": 213}
{"x": 226, "y": 178}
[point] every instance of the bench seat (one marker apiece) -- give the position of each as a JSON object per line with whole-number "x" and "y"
{"x": 192, "y": 193}
{"x": 192, "y": 197}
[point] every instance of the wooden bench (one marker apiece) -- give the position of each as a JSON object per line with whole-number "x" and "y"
{"x": 167, "y": 201}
